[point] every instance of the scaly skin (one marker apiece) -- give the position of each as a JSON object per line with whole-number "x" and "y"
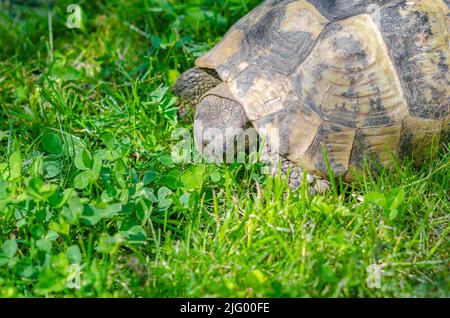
{"x": 192, "y": 85}
{"x": 279, "y": 165}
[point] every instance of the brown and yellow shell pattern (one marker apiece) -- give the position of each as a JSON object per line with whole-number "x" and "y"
{"x": 364, "y": 83}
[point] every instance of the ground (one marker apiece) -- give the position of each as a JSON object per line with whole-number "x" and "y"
{"x": 93, "y": 204}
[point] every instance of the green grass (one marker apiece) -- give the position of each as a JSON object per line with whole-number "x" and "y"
{"x": 92, "y": 205}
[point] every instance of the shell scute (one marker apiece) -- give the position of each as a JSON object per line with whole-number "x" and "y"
{"x": 276, "y": 37}
{"x": 417, "y": 35}
{"x": 364, "y": 84}
{"x": 349, "y": 79}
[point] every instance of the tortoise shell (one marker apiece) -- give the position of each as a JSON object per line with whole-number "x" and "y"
{"x": 365, "y": 78}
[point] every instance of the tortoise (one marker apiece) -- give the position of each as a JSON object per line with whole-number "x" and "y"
{"x": 362, "y": 79}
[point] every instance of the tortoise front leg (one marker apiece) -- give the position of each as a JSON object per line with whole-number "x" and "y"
{"x": 219, "y": 122}
{"x": 278, "y": 165}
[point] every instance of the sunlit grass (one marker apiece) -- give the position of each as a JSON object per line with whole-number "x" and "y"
{"x": 91, "y": 203}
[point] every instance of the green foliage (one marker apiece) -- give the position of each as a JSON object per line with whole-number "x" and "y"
{"x": 390, "y": 202}
{"x": 92, "y": 204}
